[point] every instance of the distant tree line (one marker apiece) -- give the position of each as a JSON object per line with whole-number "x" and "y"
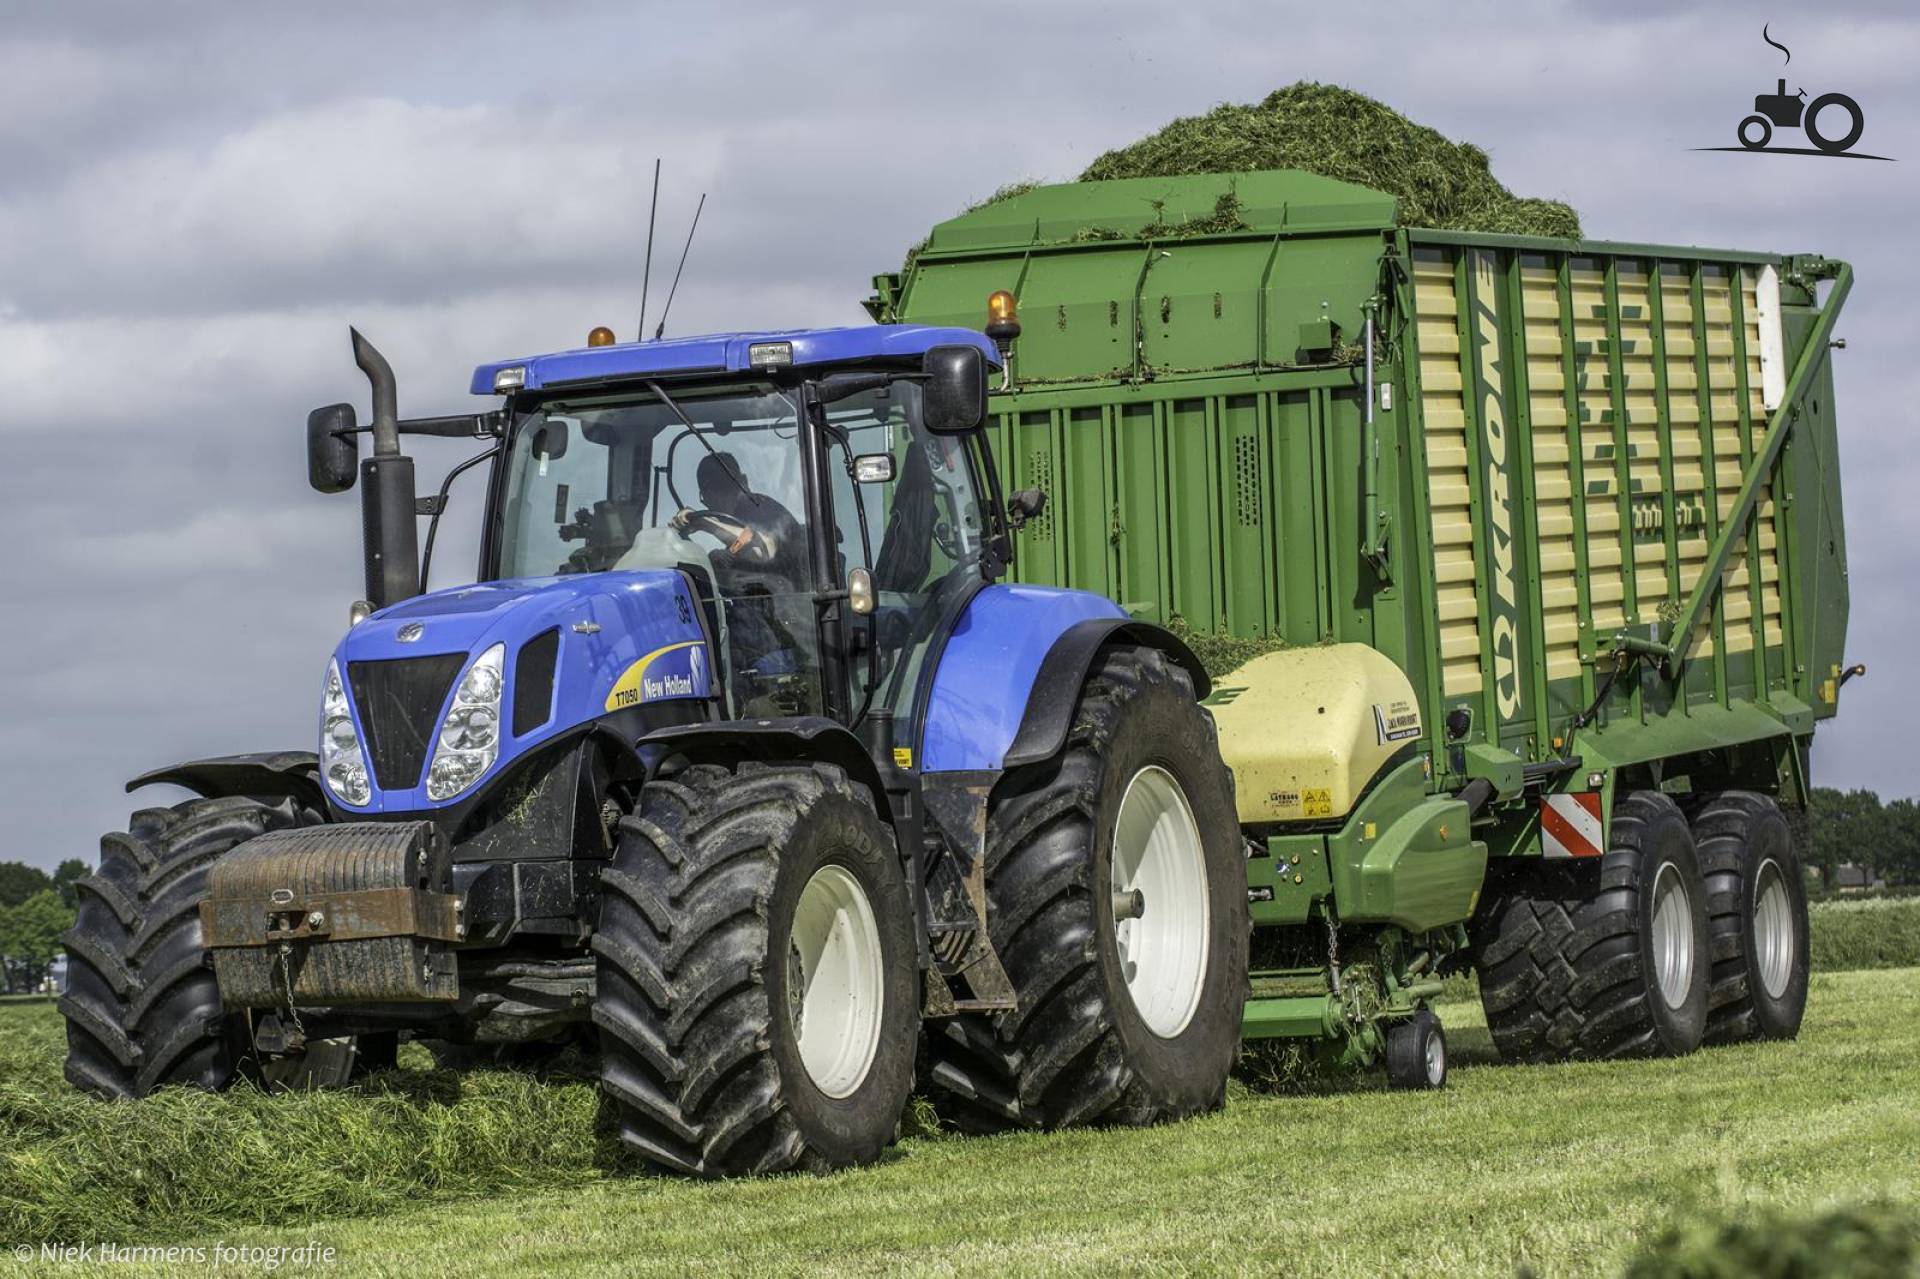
{"x": 35, "y": 908}
{"x": 1853, "y": 828}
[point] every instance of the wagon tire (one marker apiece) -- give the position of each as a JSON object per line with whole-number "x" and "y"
{"x": 1585, "y": 961}
{"x": 1756, "y": 918}
{"x": 1417, "y": 1053}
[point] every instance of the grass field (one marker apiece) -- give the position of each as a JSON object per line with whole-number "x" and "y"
{"x": 1562, "y": 1170}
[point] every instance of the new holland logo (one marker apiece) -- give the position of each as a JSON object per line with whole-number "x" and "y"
{"x": 677, "y": 670}
{"x": 410, "y": 632}
{"x": 1496, "y": 493}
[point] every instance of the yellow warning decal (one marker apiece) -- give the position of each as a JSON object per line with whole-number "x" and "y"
{"x": 903, "y": 757}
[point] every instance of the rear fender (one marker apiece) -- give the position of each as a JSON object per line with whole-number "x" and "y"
{"x": 1010, "y": 674}
{"x": 1056, "y": 689}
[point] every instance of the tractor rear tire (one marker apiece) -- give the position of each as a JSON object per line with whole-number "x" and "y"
{"x": 1113, "y": 1026}
{"x": 1614, "y": 964}
{"x": 721, "y": 884}
{"x": 1756, "y": 918}
{"x": 142, "y": 1007}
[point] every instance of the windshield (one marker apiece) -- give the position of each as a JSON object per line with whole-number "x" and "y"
{"x": 603, "y": 483}
{"x": 622, "y": 482}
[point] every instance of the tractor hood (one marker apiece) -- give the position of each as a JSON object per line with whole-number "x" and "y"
{"x": 571, "y": 651}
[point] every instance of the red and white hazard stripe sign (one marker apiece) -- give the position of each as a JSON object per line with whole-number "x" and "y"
{"x": 1570, "y": 825}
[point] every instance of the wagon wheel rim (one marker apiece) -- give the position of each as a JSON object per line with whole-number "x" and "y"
{"x": 1773, "y": 940}
{"x": 1160, "y": 901}
{"x": 1436, "y": 1055}
{"x": 1672, "y": 935}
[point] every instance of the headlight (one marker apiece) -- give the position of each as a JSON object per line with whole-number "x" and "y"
{"x": 469, "y": 739}
{"x": 342, "y": 762}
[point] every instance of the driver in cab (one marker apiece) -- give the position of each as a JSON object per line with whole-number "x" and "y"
{"x": 755, "y": 531}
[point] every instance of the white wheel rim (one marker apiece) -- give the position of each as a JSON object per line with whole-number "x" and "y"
{"x": 834, "y": 987}
{"x": 1436, "y": 1059}
{"x": 1772, "y": 928}
{"x": 1160, "y": 871}
{"x": 1672, "y": 935}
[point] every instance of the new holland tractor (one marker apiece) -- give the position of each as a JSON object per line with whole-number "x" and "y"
{"x": 706, "y": 769}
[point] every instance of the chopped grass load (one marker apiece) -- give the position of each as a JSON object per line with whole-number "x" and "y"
{"x": 1340, "y": 134}
{"x": 1336, "y": 133}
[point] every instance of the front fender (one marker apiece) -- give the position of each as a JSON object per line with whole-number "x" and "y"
{"x": 263, "y": 775}
{"x": 775, "y": 741}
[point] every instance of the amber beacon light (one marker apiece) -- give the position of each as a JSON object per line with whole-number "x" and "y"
{"x": 1003, "y": 322}
{"x": 601, "y": 336}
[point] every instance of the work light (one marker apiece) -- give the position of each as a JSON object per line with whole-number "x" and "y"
{"x": 770, "y": 355}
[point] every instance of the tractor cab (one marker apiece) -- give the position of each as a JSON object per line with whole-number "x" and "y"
{"x": 773, "y": 527}
{"x": 828, "y": 523}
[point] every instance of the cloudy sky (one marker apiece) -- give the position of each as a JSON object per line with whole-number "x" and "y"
{"x": 197, "y": 199}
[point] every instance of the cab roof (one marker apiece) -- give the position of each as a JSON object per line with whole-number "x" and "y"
{"x": 727, "y": 353}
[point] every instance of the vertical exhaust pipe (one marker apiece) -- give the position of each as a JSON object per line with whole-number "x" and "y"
{"x": 389, "y": 531}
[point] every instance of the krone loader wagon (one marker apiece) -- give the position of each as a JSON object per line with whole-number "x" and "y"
{"x": 1548, "y": 534}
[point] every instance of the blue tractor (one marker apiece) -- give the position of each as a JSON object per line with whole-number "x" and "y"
{"x": 737, "y": 767}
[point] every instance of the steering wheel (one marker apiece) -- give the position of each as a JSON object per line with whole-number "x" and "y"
{"x": 741, "y": 539}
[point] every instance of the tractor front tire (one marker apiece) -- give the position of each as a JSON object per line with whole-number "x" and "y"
{"x": 1601, "y": 962}
{"x": 757, "y": 975}
{"x": 142, "y": 1007}
{"x": 1756, "y": 918}
{"x": 1117, "y": 901}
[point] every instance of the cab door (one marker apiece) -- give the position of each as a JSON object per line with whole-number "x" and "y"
{"x": 905, "y": 507}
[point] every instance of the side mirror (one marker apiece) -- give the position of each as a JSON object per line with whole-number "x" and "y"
{"x": 1024, "y": 505}
{"x": 333, "y": 450}
{"x": 956, "y": 389}
{"x": 550, "y": 442}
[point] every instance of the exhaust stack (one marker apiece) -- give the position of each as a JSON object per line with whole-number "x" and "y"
{"x": 389, "y": 534}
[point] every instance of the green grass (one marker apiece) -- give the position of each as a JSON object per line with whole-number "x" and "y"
{"x": 1565, "y": 1170}
{"x": 1882, "y": 932}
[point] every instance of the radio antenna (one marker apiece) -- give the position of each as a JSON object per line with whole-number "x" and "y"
{"x": 646, "y": 273}
{"x": 657, "y": 333}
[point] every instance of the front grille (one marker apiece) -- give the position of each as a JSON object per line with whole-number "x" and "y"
{"x": 399, "y": 703}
